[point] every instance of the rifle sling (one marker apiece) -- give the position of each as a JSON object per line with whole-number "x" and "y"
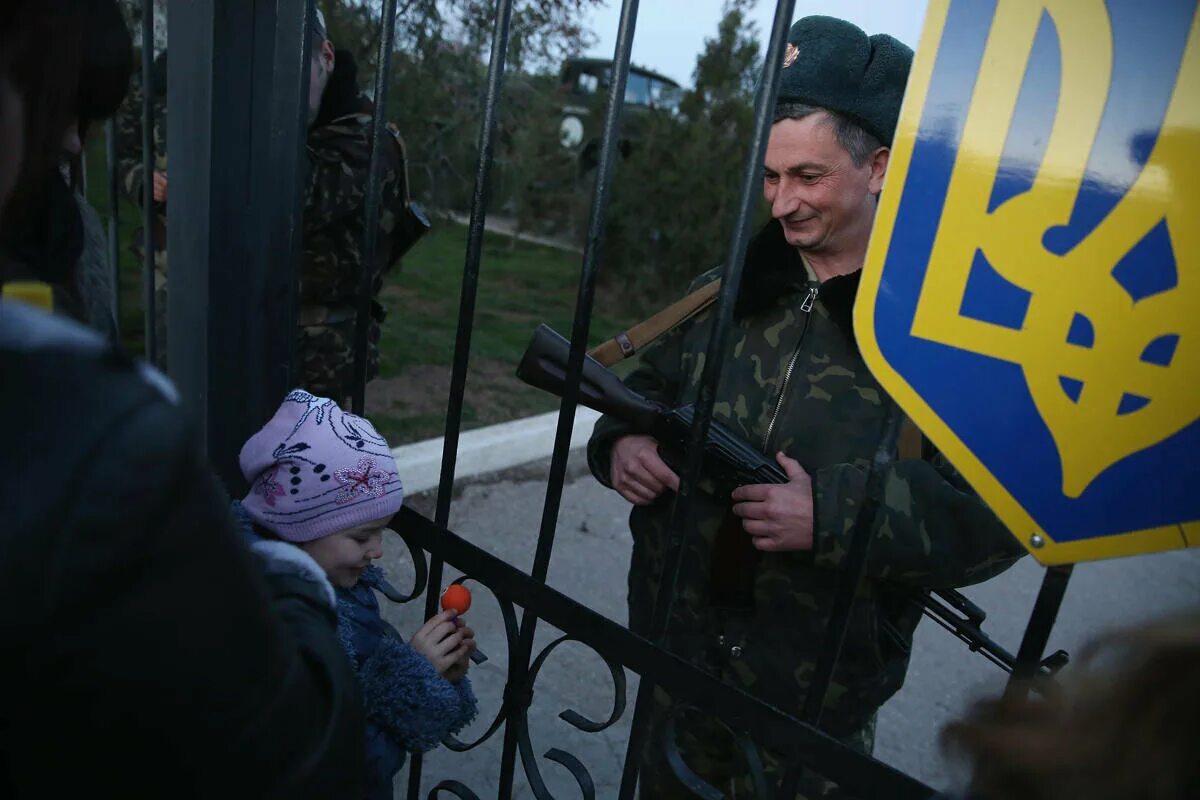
{"x": 629, "y": 342}
{"x": 632, "y": 341}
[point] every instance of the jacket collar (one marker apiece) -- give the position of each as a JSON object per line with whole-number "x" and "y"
{"x": 773, "y": 268}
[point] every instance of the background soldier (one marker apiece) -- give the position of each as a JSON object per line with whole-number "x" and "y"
{"x": 339, "y": 155}
{"x": 757, "y": 578}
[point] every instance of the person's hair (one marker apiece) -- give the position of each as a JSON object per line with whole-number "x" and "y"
{"x": 69, "y": 62}
{"x": 1122, "y": 725}
{"x": 342, "y": 95}
{"x": 849, "y": 134}
{"x": 107, "y": 63}
{"x": 42, "y": 45}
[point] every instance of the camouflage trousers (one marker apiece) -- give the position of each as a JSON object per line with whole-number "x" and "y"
{"x": 767, "y": 644}
{"x": 709, "y": 750}
{"x": 324, "y": 355}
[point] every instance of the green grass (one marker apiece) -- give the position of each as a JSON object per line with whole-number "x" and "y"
{"x": 520, "y": 286}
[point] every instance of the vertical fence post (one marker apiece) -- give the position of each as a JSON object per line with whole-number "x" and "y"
{"x": 366, "y": 268}
{"x": 852, "y": 569}
{"x": 149, "y": 312}
{"x": 682, "y": 513}
{"x": 114, "y": 219}
{"x": 466, "y": 314}
{"x": 1037, "y": 631}
{"x": 237, "y": 93}
{"x": 519, "y": 662}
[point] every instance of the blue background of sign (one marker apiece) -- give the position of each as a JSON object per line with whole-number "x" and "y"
{"x": 984, "y": 400}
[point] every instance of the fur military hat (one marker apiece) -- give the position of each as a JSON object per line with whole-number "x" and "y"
{"x": 316, "y": 22}
{"x": 833, "y": 64}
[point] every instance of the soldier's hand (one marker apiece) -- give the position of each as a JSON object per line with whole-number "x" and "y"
{"x": 160, "y": 187}
{"x": 778, "y": 516}
{"x": 638, "y": 473}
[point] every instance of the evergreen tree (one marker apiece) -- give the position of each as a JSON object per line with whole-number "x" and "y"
{"x": 676, "y": 195}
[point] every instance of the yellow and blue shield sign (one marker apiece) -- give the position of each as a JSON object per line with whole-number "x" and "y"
{"x": 1032, "y": 290}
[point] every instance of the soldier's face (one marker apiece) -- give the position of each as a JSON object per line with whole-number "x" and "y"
{"x": 823, "y": 200}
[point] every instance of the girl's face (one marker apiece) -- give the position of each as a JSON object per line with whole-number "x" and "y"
{"x": 345, "y": 554}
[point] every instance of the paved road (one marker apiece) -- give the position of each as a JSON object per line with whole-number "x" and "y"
{"x": 590, "y": 559}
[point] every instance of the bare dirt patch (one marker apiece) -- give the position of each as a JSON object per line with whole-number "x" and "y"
{"x": 494, "y": 394}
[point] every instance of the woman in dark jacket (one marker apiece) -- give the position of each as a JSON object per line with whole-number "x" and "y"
{"x": 147, "y": 651}
{"x": 52, "y": 234}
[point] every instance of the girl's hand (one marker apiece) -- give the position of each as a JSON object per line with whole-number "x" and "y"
{"x": 459, "y": 668}
{"x": 441, "y": 641}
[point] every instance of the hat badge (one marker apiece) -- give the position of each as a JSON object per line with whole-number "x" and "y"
{"x": 790, "y": 54}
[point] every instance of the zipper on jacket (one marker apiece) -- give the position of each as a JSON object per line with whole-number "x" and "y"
{"x": 806, "y": 306}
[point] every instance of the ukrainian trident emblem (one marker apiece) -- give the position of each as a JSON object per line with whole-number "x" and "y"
{"x": 1107, "y": 260}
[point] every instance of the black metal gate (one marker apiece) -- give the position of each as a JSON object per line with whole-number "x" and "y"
{"x": 237, "y": 98}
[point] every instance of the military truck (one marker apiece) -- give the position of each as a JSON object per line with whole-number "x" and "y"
{"x": 584, "y": 85}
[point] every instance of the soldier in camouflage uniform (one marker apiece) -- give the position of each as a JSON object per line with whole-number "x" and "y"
{"x": 339, "y": 154}
{"x": 760, "y": 567}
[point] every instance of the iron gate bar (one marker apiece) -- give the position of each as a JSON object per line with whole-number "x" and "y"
{"x": 114, "y": 231}
{"x": 852, "y": 569}
{"x": 682, "y": 515}
{"x": 622, "y": 53}
{"x": 1037, "y": 631}
{"x": 150, "y": 337}
{"x": 470, "y": 285}
{"x": 848, "y": 581}
{"x": 772, "y": 727}
{"x": 366, "y": 267}
{"x": 466, "y": 313}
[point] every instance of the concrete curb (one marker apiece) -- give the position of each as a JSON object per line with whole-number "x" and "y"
{"x": 505, "y": 226}
{"x": 491, "y": 449}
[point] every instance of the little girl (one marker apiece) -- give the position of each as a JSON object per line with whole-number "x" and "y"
{"x": 326, "y": 481}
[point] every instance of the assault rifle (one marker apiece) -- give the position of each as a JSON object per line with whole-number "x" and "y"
{"x": 730, "y": 461}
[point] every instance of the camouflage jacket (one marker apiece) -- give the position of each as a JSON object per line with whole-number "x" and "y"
{"x": 795, "y": 381}
{"x": 339, "y": 156}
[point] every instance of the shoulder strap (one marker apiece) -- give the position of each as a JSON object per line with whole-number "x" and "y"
{"x": 625, "y": 344}
{"x": 403, "y": 150}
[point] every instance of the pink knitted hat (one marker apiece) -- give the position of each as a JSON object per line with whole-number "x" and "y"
{"x": 314, "y": 470}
